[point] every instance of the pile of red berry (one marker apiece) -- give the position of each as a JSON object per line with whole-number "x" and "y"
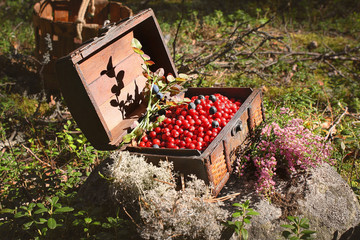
{"x": 192, "y": 126}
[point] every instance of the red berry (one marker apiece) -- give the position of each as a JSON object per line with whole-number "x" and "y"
{"x": 194, "y": 125}
{"x": 192, "y": 146}
{"x": 170, "y": 145}
{"x": 174, "y": 133}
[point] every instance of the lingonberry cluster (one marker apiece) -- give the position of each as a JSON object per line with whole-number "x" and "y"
{"x": 194, "y": 125}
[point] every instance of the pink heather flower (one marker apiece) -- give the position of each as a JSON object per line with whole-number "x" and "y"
{"x": 292, "y": 146}
{"x": 284, "y": 110}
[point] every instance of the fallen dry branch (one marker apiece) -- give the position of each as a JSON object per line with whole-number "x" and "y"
{"x": 37, "y": 158}
{"x": 222, "y": 199}
{"x": 315, "y": 56}
{"x": 332, "y": 128}
{"x": 230, "y": 44}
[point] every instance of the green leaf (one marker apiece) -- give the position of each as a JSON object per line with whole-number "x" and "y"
{"x": 138, "y": 51}
{"x": 252, "y": 212}
{"x": 149, "y": 62}
{"x": 230, "y": 223}
{"x": 286, "y": 234}
{"x": 287, "y": 226}
{"x": 42, "y": 221}
{"x": 180, "y": 79}
{"x": 236, "y": 214}
{"x": 184, "y": 76}
{"x": 304, "y": 221}
{"x": 19, "y": 215}
{"x": 7, "y": 210}
{"x": 40, "y": 205}
{"x": 63, "y": 210}
{"x": 244, "y": 233}
{"x": 161, "y": 84}
{"x": 54, "y": 200}
{"x": 57, "y": 205}
{"x": 170, "y": 78}
{"x": 28, "y": 224}
{"x": 41, "y": 210}
{"x": 246, "y": 220}
{"x": 111, "y": 220}
{"x": 307, "y": 232}
{"x": 237, "y": 205}
{"x": 128, "y": 137}
{"x": 145, "y": 57}
{"x": 238, "y": 224}
{"x": 31, "y": 206}
{"x": 96, "y": 223}
{"x": 291, "y": 218}
{"x": 136, "y": 43}
{"x": 106, "y": 225}
{"x": 76, "y": 222}
{"x": 160, "y": 118}
{"x": 88, "y": 220}
{"x": 304, "y": 225}
{"x": 294, "y": 238}
{"x": 51, "y": 222}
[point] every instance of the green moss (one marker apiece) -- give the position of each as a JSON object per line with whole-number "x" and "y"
{"x": 325, "y": 43}
{"x": 21, "y": 105}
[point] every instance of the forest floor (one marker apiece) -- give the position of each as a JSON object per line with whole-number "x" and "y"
{"x": 304, "y": 56}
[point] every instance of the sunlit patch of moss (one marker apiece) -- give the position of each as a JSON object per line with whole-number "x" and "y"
{"x": 240, "y": 79}
{"x": 325, "y": 43}
{"x": 24, "y": 106}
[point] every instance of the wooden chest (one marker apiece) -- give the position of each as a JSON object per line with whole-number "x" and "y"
{"x": 107, "y": 69}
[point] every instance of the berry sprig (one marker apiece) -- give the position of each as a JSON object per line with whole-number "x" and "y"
{"x": 159, "y": 94}
{"x": 194, "y": 125}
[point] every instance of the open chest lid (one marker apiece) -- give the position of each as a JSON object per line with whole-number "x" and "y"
{"x": 102, "y": 80}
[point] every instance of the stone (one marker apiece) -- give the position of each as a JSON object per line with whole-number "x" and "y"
{"x": 320, "y": 194}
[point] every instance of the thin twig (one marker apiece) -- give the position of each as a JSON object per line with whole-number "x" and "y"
{"x": 230, "y": 44}
{"x": 130, "y": 217}
{"x": 331, "y": 129}
{"x": 182, "y": 181}
{"x": 336, "y": 70}
{"x": 178, "y": 27}
{"x": 221, "y": 199}
{"x": 37, "y": 158}
{"x": 158, "y": 180}
{"x": 336, "y": 56}
{"x": 267, "y": 38}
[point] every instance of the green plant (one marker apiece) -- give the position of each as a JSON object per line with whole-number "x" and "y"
{"x": 244, "y": 213}
{"x": 160, "y": 93}
{"x": 40, "y": 218}
{"x": 298, "y": 229}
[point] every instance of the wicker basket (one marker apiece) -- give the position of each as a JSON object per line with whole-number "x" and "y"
{"x": 61, "y": 26}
